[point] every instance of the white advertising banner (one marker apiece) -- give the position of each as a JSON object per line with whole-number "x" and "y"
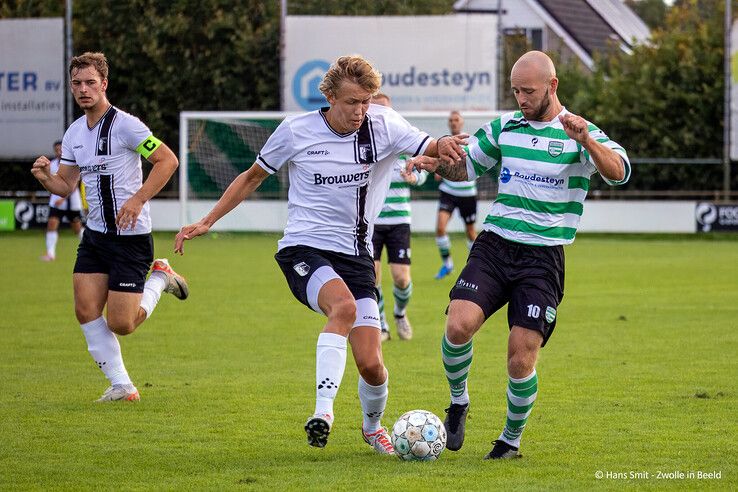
{"x": 32, "y": 86}
{"x": 427, "y": 62}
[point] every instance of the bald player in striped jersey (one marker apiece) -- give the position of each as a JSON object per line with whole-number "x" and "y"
{"x": 544, "y": 157}
{"x": 340, "y": 160}
{"x": 104, "y": 147}
{"x": 452, "y": 195}
{"x": 392, "y": 230}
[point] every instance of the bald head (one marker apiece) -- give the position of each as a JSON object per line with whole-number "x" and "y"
{"x": 536, "y": 64}
{"x": 534, "y": 83}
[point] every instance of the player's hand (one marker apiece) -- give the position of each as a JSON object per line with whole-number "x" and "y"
{"x": 189, "y": 232}
{"x": 422, "y": 162}
{"x": 450, "y": 147}
{"x": 575, "y": 127}
{"x": 58, "y": 203}
{"x": 409, "y": 177}
{"x": 128, "y": 213}
{"x": 41, "y": 169}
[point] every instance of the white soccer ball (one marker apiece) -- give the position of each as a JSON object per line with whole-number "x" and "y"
{"x": 418, "y": 436}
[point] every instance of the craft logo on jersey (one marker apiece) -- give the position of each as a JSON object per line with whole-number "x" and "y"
{"x": 302, "y": 268}
{"x": 555, "y": 148}
{"x": 306, "y": 83}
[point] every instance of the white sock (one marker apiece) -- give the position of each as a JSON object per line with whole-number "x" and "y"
{"x": 153, "y": 288}
{"x": 51, "y": 239}
{"x": 330, "y": 362}
{"x": 105, "y": 351}
{"x": 373, "y": 401}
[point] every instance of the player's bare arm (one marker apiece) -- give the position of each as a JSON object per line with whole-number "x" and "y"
{"x": 453, "y": 171}
{"x": 62, "y": 183}
{"x": 165, "y": 163}
{"x": 241, "y": 187}
{"x": 608, "y": 162}
{"x": 449, "y": 148}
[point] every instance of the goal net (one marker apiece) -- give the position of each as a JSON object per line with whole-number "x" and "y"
{"x": 215, "y": 147}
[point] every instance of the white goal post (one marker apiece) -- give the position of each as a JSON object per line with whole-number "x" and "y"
{"x": 216, "y": 146}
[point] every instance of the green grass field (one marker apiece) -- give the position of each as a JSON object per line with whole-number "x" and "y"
{"x": 639, "y": 377}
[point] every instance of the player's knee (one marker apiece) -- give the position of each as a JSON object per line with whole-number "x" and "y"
{"x": 372, "y": 371}
{"x": 343, "y": 311}
{"x": 459, "y": 330}
{"x": 121, "y": 327}
{"x": 401, "y": 282}
{"x": 520, "y": 364}
{"x": 85, "y": 314}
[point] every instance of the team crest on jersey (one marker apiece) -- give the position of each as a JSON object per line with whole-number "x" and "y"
{"x": 302, "y": 268}
{"x": 550, "y": 314}
{"x": 102, "y": 144}
{"x": 365, "y": 152}
{"x": 555, "y": 148}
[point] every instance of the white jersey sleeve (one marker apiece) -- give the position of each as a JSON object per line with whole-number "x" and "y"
{"x": 67, "y": 156}
{"x": 278, "y": 149}
{"x": 132, "y": 133}
{"x": 405, "y": 138}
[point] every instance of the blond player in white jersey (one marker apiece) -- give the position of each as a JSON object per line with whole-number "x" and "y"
{"x": 340, "y": 161}
{"x": 453, "y": 195}
{"x": 392, "y": 232}
{"x": 104, "y": 148}
{"x": 60, "y": 208}
{"x": 543, "y": 157}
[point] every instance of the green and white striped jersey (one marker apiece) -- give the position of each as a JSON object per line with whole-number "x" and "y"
{"x": 543, "y": 177}
{"x": 459, "y": 188}
{"x": 396, "y": 207}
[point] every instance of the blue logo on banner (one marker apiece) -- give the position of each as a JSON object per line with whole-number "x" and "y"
{"x": 306, "y": 82}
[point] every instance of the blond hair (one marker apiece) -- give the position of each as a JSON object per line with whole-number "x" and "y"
{"x": 89, "y": 59}
{"x": 353, "y": 68}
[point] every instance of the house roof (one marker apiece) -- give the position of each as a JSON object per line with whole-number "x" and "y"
{"x": 586, "y": 26}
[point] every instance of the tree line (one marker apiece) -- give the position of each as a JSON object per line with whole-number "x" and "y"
{"x": 665, "y": 99}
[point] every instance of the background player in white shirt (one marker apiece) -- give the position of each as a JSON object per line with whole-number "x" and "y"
{"x": 452, "y": 195}
{"x": 60, "y": 207}
{"x": 104, "y": 148}
{"x": 340, "y": 161}
{"x": 392, "y": 231}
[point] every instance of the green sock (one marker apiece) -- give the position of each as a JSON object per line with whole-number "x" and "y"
{"x": 521, "y": 394}
{"x": 457, "y": 360}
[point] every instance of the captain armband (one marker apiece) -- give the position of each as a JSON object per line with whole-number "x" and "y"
{"x": 148, "y": 146}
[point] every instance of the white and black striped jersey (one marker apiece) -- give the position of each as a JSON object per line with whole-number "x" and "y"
{"x": 72, "y": 202}
{"x": 338, "y": 182}
{"x": 108, "y": 157}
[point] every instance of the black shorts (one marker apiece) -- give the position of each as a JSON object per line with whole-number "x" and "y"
{"x": 299, "y": 263}
{"x": 125, "y": 259}
{"x": 467, "y": 206}
{"x": 397, "y": 240}
{"x": 71, "y": 215}
{"x": 529, "y": 278}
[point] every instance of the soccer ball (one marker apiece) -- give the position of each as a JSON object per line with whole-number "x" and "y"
{"x": 418, "y": 436}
